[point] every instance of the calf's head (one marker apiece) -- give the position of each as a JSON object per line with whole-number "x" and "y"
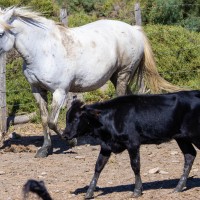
{"x": 80, "y": 120}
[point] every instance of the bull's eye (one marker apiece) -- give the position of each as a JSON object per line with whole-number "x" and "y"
{"x": 76, "y": 119}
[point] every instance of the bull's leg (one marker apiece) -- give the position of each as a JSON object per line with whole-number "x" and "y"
{"x": 59, "y": 97}
{"x": 41, "y": 98}
{"x": 189, "y": 155}
{"x": 104, "y": 155}
{"x": 134, "y": 155}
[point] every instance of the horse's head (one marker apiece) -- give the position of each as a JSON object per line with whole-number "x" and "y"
{"x": 7, "y": 37}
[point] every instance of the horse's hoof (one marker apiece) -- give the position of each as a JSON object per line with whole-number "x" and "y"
{"x": 41, "y": 153}
{"x": 72, "y": 142}
{"x": 137, "y": 194}
{"x": 89, "y": 196}
{"x": 178, "y": 189}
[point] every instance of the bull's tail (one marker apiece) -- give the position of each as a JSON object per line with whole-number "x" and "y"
{"x": 152, "y": 78}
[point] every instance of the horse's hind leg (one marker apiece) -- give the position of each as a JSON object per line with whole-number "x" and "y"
{"x": 41, "y": 98}
{"x": 189, "y": 155}
{"x": 120, "y": 81}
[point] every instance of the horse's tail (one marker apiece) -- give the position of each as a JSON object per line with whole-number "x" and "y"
{"x": 37, "y": 187}
{"x": 152, "y": 78}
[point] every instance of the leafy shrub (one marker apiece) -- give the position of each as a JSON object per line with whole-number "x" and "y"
{"x": 176, "y": 52}
{"x": 19, "y": 97}
{"x": 78, "y": 5}
{"x": 81, "y": 18}
{"x": 44, "y": 6}
{"x": 172, "y": 12}
{"x": 8, "y": 3}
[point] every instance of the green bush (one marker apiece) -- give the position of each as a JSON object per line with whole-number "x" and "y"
{"x": 172, "y": 12}
{"x": 81, "y": 18}
{"x": 19, "y": 97}
{"x": 176, "y": 52}
{"x": 8, "y": 3}
{"x": 44, "y": 6}
{"x": 99, "y": 95}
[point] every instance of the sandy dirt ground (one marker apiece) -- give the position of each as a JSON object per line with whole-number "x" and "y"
{"x": 67, "y": 172}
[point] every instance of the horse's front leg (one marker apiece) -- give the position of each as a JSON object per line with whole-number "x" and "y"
{"x": 59, "y": 97}
{"x": 104, "y": 155}
{"x": 41, "y": 98}
{"x": 134, "y": 155}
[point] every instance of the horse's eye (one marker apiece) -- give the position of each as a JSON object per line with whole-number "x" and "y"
{"x": 2, "y": 34}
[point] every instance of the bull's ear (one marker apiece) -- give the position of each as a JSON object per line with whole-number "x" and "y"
{"x": 77, "y": 103}
{"x": 94, "y": 112}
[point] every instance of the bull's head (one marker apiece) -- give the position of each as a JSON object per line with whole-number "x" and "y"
{"x": 80, "y": 120}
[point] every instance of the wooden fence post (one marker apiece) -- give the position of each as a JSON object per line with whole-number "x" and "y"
{"x": 3, "y": 112}
{"x": 138, "y": 18}
{"x": 138, "y": 22}
{"x": 63, "y": 16}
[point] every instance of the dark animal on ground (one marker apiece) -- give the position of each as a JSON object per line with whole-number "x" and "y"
{"x": 37, "y": 187}
{"x": 126, "y": 122}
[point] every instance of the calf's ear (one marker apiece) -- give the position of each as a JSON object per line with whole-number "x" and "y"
{"x": 77, "y": 103}
{"x": 94, "y": 112}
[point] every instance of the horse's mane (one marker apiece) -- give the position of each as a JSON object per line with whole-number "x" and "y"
{"x": 25, "y": 14}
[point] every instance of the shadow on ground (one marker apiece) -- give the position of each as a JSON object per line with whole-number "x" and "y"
{"x": 58, "y": 145}
{"x": 164, "y": 184}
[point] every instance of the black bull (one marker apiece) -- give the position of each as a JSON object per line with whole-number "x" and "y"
{"x": 126, "y": 122}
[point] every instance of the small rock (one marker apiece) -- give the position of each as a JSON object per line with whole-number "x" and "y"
{"x": 41, "y": 177}
{"x": 2, "y": 172}
{"x": 73, "y": 195}
{"x": 43, "y": 173}
{"x": 163, "y": 172}
{"x": 154, "y": 170}
{"x": 175, "y": 161}
{"x": 174, "y": 153}
{"x": 80, "y": 157}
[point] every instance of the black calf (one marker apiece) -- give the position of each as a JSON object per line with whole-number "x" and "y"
{"x": 129, "y": 121}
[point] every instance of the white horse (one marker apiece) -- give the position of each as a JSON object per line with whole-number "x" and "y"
{"x": 80, "y": 59}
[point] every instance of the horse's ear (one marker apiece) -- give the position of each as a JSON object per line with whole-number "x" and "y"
{"x": 9, "y": 14}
